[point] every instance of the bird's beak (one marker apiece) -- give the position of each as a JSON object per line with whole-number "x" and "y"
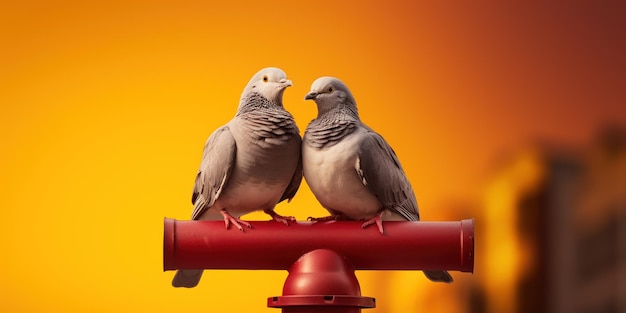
{"x": 310, "y": 96}
{"x": 285, "y": 82}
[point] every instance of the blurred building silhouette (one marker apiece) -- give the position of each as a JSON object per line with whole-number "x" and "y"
{"x": 552, "y": 233}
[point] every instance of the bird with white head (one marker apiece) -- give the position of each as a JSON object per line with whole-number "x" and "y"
{"x": 251, "y": 163}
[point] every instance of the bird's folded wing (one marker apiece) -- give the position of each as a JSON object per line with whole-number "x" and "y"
{"x": 218, "y": 160}
{"x": 294, "y": 184}
{"x": 380, "y": 171}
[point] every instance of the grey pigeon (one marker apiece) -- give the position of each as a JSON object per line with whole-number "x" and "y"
{"x": 251, "y": 163}
{"x": 352, "y": 170}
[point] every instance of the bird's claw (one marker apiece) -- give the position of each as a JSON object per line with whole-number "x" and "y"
{"x": 323, "y": 219}
{"x": 377, "y": 219}
{"x": 279, "y": 218}
{"x": 283, "y": 219}
{"x": 229, "y": 219}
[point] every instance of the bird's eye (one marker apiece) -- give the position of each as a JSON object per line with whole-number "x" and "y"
{"x": 331, "y": 89}
{"x": 265, "y": 78}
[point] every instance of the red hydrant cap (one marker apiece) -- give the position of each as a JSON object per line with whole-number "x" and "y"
{"x": 321, "y": 278}
{"x": 321, "y": 272}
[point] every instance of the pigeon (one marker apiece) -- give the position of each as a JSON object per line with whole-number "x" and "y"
{"x": 251, "y": 163}
{"x": 351, "y": 169}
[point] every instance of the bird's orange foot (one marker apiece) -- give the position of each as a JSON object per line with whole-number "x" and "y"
{"x": 229, "y": 219}
{"x": 279, "y": 218}
{"x": 377, "y": 219}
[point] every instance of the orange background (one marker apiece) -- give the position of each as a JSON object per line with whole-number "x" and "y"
{"x": 106, "y": 107}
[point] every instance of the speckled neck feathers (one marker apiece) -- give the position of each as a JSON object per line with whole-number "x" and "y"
{"x": 253, "y": 101}
{"x": 266, "y": 123}
{"x": 329, "y": 128}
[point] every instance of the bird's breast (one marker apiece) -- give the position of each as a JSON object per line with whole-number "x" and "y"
{"x": 331, "y": 174}
{"x": 260, "y": 173}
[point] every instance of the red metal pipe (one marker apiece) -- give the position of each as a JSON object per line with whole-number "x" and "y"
{"x": 274, "y": 246}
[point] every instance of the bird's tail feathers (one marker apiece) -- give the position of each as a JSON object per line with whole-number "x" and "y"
{"x": 439, "y": 276}
{"x": 187, "y": 278}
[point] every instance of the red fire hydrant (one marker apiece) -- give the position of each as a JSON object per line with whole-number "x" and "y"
{"x": 321, "y": 257}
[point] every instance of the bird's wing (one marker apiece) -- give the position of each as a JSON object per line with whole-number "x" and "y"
{"x": 380, "y": 171}
{"x": 294, "y": 184}
{"x": 218, "y": 160}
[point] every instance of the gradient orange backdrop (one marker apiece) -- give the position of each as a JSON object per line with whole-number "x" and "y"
{"x": 106, "y": 107}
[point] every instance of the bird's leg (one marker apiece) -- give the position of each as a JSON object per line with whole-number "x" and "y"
{"x": 228, "y": 219}
{"x": 279, "y": 218}
{"x": 378, "y": 219}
